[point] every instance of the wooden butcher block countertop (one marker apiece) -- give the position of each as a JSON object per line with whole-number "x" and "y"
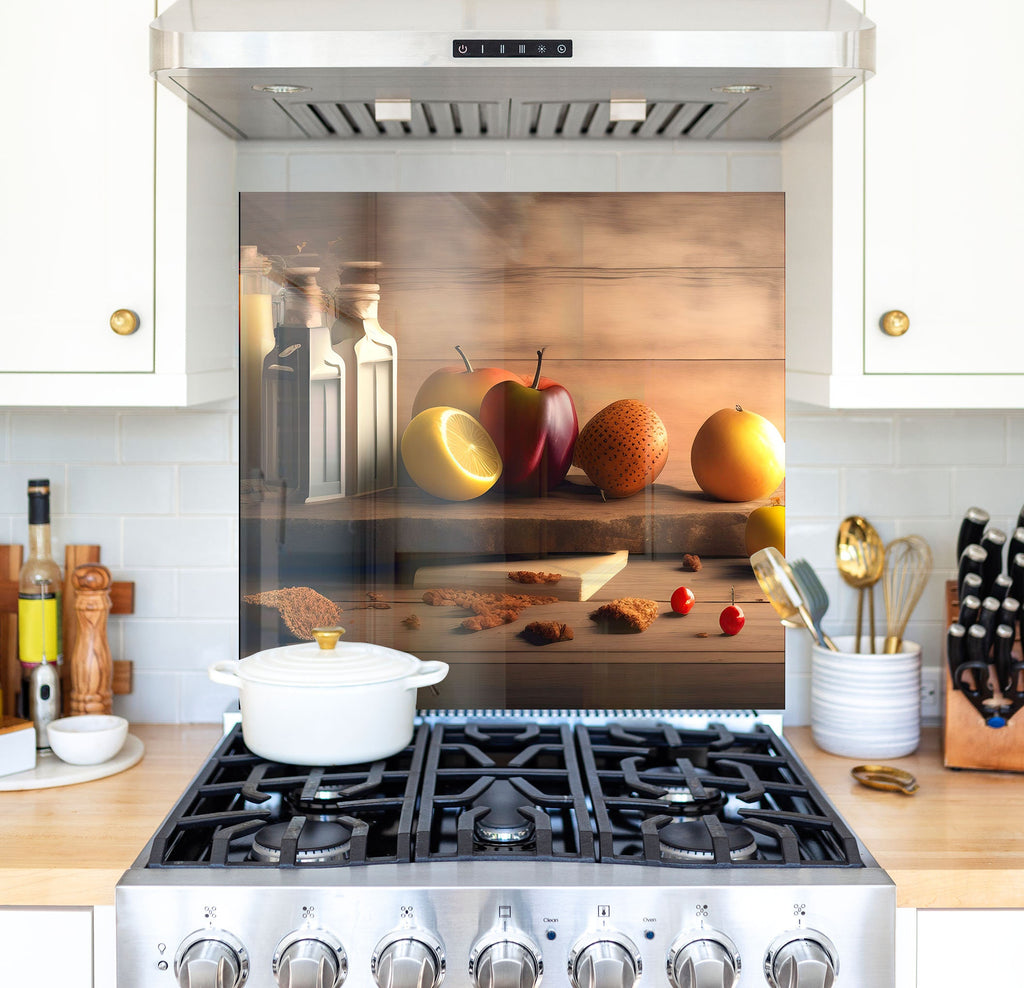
{"x": 958, "y": 843}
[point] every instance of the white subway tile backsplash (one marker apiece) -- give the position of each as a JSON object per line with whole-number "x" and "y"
{"x": 101, "y": 530}
{"x": 209, "y": 490}
{"x": 999, "y": 490}
{"x": 156, "y": 592}
{"x": 1015, "y": 438}
{"x": 897, "y": 493}
{"x": 14, "y": 478}
{"x": 367, "y": 172}
{"x": 566, "y": 172}
{"x": 812, "y": 492}
{"x": 673, "y": 172}
{"x": 175, "y": 437}
{"x": 179, "y": 542}
{"x": 118, "y": 489}
{"x": 76, "y": 437}
{"x": 179, "y": 645}
{"x": 208, "y": 593}
{"x": 817, "y": 440}
{"x": 960, "y": 438}
{"x": 155, "y": 698}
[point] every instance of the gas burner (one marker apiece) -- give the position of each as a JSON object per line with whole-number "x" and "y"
{"x": 502, "y": 824}
{"x": 691, "y": 841}
{"x": 682, "y": 802}
{"x": 318, "y": 843}
{"x": 326, "y": 803}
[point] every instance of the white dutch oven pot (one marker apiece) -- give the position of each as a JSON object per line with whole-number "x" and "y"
{"x": 327, "y": 704}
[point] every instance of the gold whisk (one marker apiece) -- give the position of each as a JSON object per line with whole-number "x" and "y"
{"x": 908, "y": 564}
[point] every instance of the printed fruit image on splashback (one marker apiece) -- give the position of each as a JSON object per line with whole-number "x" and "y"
{"x": 504, "y": 429}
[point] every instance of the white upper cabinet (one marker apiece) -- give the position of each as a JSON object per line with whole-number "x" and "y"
{"x": 98, "y": 219}
{"x": 907, "y": 199}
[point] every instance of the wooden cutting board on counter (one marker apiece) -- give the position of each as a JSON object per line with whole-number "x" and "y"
{"x": 580, "y": 576}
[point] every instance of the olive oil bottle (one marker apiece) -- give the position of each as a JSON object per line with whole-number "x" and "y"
{"x": 39, "y": 593}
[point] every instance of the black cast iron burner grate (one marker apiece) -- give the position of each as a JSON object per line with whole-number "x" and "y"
{"x": 639, "y": 792}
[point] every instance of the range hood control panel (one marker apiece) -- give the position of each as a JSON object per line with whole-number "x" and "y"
{"x": 512, "y": 48}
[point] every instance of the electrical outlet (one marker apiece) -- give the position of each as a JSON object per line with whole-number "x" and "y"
{"x": 931, "y": 694}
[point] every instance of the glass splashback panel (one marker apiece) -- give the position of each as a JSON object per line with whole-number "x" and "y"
{"x": 408, "y": 474}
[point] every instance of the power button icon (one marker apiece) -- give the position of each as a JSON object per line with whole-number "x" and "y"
{"x": 463, "y": 49}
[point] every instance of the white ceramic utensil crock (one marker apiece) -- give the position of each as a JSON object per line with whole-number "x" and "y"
{"x": 307, "y": 705}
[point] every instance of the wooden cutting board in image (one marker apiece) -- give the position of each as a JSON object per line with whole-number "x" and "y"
{"x": 580, "y": 576}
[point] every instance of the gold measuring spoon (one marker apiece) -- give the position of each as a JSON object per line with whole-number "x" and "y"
{"x": 885, "y": 777}
{"x": 860, "y": 559}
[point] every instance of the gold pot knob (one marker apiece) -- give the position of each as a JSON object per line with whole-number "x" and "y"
{"x": 124, "y": 322}
{"x": 895, "y": 323}
{"x": 327, "y": 638}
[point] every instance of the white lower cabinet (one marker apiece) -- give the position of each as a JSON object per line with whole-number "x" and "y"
{"x": 969, "y": 947}
{"x": 48, "y": 948}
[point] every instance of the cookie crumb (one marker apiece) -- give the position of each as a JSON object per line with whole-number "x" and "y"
{"x": 530, "y": 576}
{"x": 629, "y": 614}
{"x": 692, "y": 563}
{"x": 546, "y": 632}
{"x": 412, "y": 622}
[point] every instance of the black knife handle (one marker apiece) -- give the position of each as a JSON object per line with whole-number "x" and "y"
{"x": 993, "y": 542}
{"x": 1016, "y": 545}
{"x": 977, "y": 662}
{"x": 1009, "y": 611}
{"x": 1016, "y": 571}
{"x": 971, "y": 528}
{"x": 1020, "y": 517}
{"x": 970, "y": 608}
{"x": 972, "y": 560}
{"x": 1005, "y": 635}
{"x": 971, "y": 587}
{"x": 1000, "y": 587}
{"x": 956, "y": 650}
{"x": 988, "y": 619}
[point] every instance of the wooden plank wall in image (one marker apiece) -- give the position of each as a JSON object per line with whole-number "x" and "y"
{"x": 676, "y": 299}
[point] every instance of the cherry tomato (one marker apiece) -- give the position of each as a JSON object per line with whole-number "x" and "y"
{"x": 682, "y": 600}
{"x": 731, "y": 620}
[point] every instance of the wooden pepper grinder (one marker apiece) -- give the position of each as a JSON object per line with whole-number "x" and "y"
{"x": 92, "y": 670}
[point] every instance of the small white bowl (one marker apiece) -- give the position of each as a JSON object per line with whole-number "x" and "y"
{"x": 88, "y": 739}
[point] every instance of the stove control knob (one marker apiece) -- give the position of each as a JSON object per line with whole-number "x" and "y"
{"x": 705, "y": 960}
{"x": 607, "y": 960}
{"x": 310, "y": 959}
{"x": 408, "y": 959}
{"x": 505, "y": 961}
{"x": 801, "y": 959}
{"x": 211, "y": 959}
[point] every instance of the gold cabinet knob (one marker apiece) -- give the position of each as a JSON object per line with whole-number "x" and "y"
{"x": 895, "y": 323}
{"x": 124, "y": 322}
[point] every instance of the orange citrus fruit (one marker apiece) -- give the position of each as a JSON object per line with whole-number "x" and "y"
{"x": 449, "y": 454}
{"x": 738, "y": 456}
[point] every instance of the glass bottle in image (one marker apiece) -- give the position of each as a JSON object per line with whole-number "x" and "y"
{"x": 371, "y": 376}
{"x": 256, "y": 340}
{"x": 39, "y": 593}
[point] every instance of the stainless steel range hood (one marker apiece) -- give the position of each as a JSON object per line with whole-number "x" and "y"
{"x": 496, "y": 69}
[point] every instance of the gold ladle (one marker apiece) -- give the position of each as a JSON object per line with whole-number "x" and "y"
{"x": 860, "y": 559}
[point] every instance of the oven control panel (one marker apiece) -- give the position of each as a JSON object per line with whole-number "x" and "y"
{"x": 684, "y": 936}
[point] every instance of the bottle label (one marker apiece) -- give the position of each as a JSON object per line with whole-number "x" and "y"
{"x": 39, "y": 625}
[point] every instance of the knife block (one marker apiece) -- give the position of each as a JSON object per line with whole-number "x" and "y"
{"x": 967, "y": 741}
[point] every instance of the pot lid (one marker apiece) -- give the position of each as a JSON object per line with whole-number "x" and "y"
{"x": 347, "y": 664}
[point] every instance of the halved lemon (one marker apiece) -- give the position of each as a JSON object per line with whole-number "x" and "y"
{"x": 450, "y": 454}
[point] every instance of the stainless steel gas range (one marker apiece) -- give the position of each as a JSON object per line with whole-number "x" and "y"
{"x": 500, "y": 850}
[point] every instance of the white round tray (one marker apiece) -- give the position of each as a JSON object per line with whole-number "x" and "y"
{"x": 50, "y": 771}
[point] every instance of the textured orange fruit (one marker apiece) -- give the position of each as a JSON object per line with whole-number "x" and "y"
{"x": 622, "y": 448}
